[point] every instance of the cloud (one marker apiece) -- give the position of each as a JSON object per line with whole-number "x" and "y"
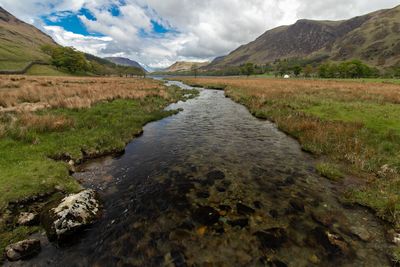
{"x": 89, "y": 44}
{"x": 194, "y": 30}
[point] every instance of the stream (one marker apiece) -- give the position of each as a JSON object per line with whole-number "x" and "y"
{"x": 215, "y": 186}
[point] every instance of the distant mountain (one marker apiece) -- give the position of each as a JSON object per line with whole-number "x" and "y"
{"x": 19, "y": 41}
{"x": 373, "y": 38}
{"x": 122, "y": 61}
{"x": 185, "y": 66}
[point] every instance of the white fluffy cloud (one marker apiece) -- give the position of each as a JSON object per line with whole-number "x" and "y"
{"x": 199, "y": 30}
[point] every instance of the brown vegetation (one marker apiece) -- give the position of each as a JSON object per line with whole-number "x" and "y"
{"x": 19, "y": 93}
{"x": 277, "y": 88}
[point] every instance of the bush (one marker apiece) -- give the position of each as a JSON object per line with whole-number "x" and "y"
{"x": 348, "y": 69}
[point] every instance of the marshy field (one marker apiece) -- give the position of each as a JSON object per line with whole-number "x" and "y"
{"x": 305, "y": 182}
{"x": 49, "y": 124}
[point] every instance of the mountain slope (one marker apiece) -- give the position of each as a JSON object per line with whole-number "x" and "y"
{"x": 180, "y": 66}
{"x": 19, "y": 41}
{"x": 122, "y": 61}
{"x": 374, "y": 38}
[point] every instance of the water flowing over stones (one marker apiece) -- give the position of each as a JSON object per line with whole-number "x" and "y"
{"x": 214, "y": 186}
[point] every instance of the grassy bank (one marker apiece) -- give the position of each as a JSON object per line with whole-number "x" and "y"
{"x": 353, "y": 127}
{"x": 47, "y": 122}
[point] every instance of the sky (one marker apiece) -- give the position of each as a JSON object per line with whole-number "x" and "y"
{"x": 156, "y": 33}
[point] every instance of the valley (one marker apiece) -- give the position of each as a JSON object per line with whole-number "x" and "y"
{"x": 131, "y": 136}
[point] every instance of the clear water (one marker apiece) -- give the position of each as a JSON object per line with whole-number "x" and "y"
{"x": 175, "y": 199}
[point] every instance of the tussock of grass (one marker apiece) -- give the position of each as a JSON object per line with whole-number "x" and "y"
{"x": 356, "y": 124}
{"x": 396, "y": 256}
{"x": 329, "y": 171}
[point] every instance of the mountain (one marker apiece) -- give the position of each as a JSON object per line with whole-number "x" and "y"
{"x": 373, "y": 38}
{"x": 185, "y": 66}
{"x": 122, "y": 61}
{"x": 21, "y": 44}
{"x": 19, "y": 41}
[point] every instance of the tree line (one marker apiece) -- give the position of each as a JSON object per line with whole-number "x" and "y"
{"x": 305, "y": 68}
{"x": 73, "y": 61}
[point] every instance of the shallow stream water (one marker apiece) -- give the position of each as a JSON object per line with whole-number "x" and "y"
{"x": 214, "y": 186}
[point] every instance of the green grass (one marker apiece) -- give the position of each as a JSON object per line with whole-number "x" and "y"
{"x": 26, "y": 156}
{"x": 329, "y": 170}
{"x": 45, "y": 70}
{"x": 13, "y": 65}
{"x": 396, "y": 255}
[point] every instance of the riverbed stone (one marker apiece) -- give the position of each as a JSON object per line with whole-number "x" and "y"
{"x": 272, "y": 238}
{"x": 203, "y": 194}
{"x": 274, "y": 213}
{"x": 244, "y": 210}
{"x": 71, "y": 215}
{"x": 225, "y": 208}
{"x": 242, "y": 222}
{"x": 205, "y": 215}
{"x": 23, "y": 250}
{"x": 297, "y": 205}
{"x": 360, "y": 232}
{"x": 277, "y": 263}
{"x": 215, "y": 175}
{"x": 333, "y": 243}
{"x": 27, "y": 218}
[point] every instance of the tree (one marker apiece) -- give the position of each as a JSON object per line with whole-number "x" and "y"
{"x": 308, "y": 70}
{"x": 297, "y": 70}
{"x": 282, "y": 67}
{"x": 247, "y": 69}
{"x": 195, "y": 70}
{"x": 67, "y": 58}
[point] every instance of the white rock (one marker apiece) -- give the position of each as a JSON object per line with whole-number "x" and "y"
{"x": 27, "y": 218}
{"x": 396, "y": 238}
{"x": 73, "y": 213}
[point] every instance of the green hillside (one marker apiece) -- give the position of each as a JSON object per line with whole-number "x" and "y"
{"x": 20, "y": 43}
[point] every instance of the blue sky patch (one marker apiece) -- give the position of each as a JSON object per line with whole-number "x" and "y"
{"x": 70, "y": 22}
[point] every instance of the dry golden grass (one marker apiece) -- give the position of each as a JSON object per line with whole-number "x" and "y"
{"x": 24, "y": 93}
{"x": 44, "y": 123}
{"x": 265, "y": 89}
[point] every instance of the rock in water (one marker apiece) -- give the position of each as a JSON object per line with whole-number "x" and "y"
{"x": 243, "y": 209}
{"x": 205, "y": 215}
{"x": 74, "y": 213}
{"x": 215, "y": 175}
{"x": 272, "y": 238}
{"x": 23, "y": 250}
